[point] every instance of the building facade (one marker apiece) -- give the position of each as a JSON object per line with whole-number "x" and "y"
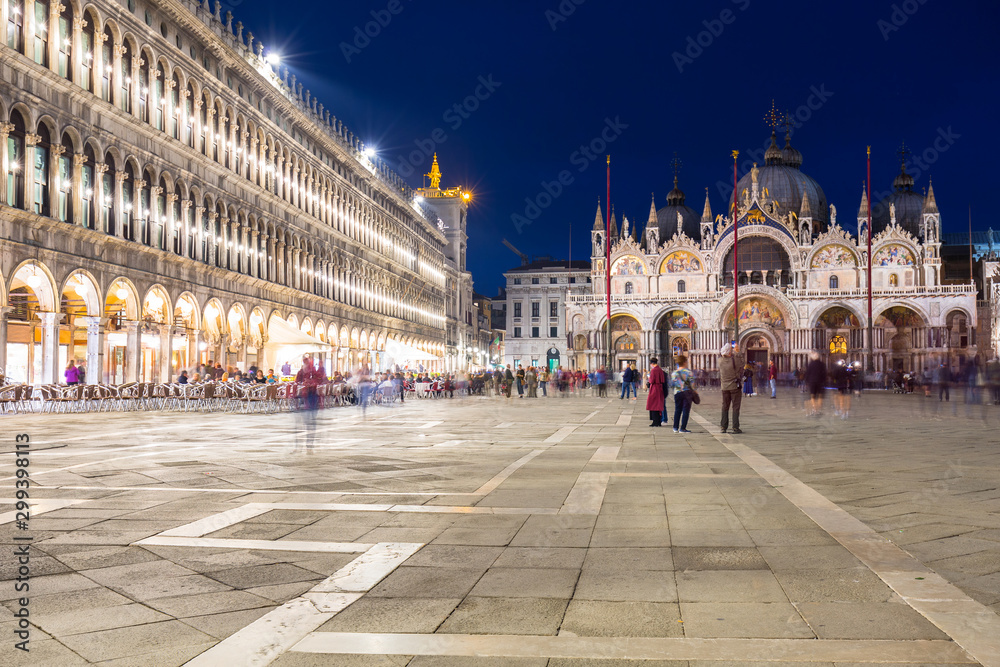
{"x": 170, "y": 194}
{"x": 537, "y": 296}
{"x": 802, "y": 280}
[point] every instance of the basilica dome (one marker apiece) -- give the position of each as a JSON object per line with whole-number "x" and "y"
{"x": 785, "y": 183}
{"x": 909, "y": 206}
{"x": 666, "y": 217}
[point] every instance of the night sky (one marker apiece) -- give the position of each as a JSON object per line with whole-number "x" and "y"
{"x": 695, "y": 79}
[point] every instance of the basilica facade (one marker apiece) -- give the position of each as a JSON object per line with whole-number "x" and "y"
{"x": 172, "y": 196}
{"x": 802, "y": 280}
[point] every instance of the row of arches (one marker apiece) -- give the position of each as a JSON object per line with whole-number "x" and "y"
{"x": 117, "y": 66}
{"x": 152, "y": 333}
{"x": 58, "y": 174}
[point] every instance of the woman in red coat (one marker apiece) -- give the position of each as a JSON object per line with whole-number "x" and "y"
{"x": 656, "y": 401}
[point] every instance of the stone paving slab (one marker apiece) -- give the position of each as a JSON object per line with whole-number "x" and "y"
{"x": 689, "y": 540}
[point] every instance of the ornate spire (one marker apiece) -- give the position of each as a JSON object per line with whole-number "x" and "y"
{"x": 435, "y": 174}
{"x": 790, "y": 156}
{"x": 614, "y": 224}
{"x": 706, "y": 214}
{"x": 651, "y": 222}
{"x": 676, "y": 196}
{"x": 863, "y": 209}
{"x": 773, "y": 120}
{"x": 806, "y": 210}
{"x": 903, "y": 182}
{"x": 598, "y": 219}
{"x": 930, "y": 204}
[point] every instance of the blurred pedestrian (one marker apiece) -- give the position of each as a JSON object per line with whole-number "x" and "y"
{"x": 656, "y": 399}
{"x": 730, "y": 364}
{"x": 815, "y": 382}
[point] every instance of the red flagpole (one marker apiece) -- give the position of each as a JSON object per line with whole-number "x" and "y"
{"x": 871, "y": 342}
{"x": 607, "y": 264}
{"x": 736, "y": 258}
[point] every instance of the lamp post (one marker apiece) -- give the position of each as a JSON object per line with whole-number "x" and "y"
{"x": 736, "y": 258}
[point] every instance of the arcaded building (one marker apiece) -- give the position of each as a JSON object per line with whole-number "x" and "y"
{"x": 172, "y": 196}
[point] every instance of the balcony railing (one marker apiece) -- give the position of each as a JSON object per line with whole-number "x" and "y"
{"x": 862, "y": 292}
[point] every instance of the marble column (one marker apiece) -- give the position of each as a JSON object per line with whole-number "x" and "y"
{"x": 4, "y": 311}
{"x": 133, "y": 351}
{"x": 76, "y": 191}
{"x": 50, "y": 347}
{"x": 166, "y": 353}
{"x": 5, "y": 130}
{"x": 95, "y": 348}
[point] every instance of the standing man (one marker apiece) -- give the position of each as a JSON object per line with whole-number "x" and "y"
{"x": 543, "y": 380}
{"x": 730, "y": 369}
{"x": 532, "y": 379}
{"x": 626, "y": 382}
{"x": 656, "y": 400}
{"x": 816, "y": 382}
{"x": 772, "y": 378}
{"x": 636, "y": 376}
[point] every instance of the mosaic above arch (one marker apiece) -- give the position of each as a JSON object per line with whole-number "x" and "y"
{"x": 833, "y": 256}
{"x": 755, "y": 310}
{"x": 899, "y": 316}
{"x": 681, "y": 261}
{"x": 838, "y": 318}
{"x": 629, "y": 265}
{"x": 678, "y": 319}
{"x": 893, "y": 255}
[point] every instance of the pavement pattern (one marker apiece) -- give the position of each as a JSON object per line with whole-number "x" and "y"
{"x": 526, "y": 533}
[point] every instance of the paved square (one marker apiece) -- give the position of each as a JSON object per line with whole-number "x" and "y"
{"x": 510, "y": 532}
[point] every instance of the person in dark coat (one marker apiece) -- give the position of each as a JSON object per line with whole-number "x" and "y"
{"x": 816, "y": 382}
{"x": 730, "y": 365}
{"x": 627, "y": 378}
{"x": 656, "y": 399}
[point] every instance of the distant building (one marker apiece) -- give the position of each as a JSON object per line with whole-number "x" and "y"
{"x": 802, "y": 276}
{"x": 536, "y": 310}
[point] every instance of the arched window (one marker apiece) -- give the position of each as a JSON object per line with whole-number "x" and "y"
{"x": 681, "y": 286}
{"x": 128, "y": 204}
{"x": 205, "y": 128}
{"x": 220, "y": 237}
{"x": 189, "y": 117}
{"x": 125, "y": 76}
{"x": 64, "y": 193}
{"x": 109, "y": 219}
{"x": 207, "y": 234}
{"x": 628, "y": 288}
{"x": 40, "y": 173}
{"x": 107, "y": 58}
{"x": 15, "y": 162}
{"x": 88, "y": 206}
{"x": 758, "y": 254}
{"x": 87, "y": 53}
{"x": 159, "y": 227}
{"x": 42, "y": 32}
{"x": 893, "y": 280}
{"x": 15, "y": 25}
{"x": 158, "y": 97}
{"x": 144, "y": 92}
{"x": 834, "y": 282}
{"x": 173, "y": 108}
{"x": 216, "y": 125}
{"x": 838, "y": 345}
{"x": 65, "y": 64}
{"x": 179, "y": 225}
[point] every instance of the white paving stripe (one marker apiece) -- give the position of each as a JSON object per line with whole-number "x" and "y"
{"x": 973, "y": 625}
{"x": 605, "y": 454}
{"x": 635, "y": 648}
{"x": 210, "y": 524}
{"x": 624, "y": 420}
{"x": 106, "y": 461}
{"x": 587, "y": 495}
{"x": 499, "y": 478}
{"x": 561, "y": 434}
{"x": 38, "y": 506}
{"x": 260, "y": 545}
{"x": 590, "y": 416}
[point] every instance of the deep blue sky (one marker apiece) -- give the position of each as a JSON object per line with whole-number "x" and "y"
{"x": 886, "y": 80}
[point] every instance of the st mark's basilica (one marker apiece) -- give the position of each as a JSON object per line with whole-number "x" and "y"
{"x": 802, "y": 276}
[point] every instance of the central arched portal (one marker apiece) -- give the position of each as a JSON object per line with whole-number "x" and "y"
{"x": 763, "y": 261}
{"x": 673, "y": 336}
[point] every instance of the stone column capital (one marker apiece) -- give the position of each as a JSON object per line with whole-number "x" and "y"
{"x": 32, "y": 139}
{"x": 79, "y": 159}
{"x": 57, "y": 149}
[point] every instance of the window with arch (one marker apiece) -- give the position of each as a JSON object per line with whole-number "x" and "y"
{"x": 88, "y": 198}
{"x": 42, "y": 32}
{"x": 125, "y": 79}
{"x": 681, "y": 286}
{"x": 65, "y": 35}
{"x": 893, "y": 280}
{"x": 107, "y": 59}
{"x": 834, "y": 282}
{"x": 15, "y": 25}
{"x": 144, "y": 92}
{"x": 158, "y": 98}
{"x": 64, "y": 199}
{"x": 173, "y": 108}
{"x": 128, "y": 204}
{"x": 107, "y": 198}
{"x": 87, "y": 50}
{"x": 628, "y": 288}
{"x": 15, "y": 161}
{"x": 145, "y": 235}
{"x": 188, "y": 119}
{"x": 838, "y": 345}
{"x": 40, "y": 173}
